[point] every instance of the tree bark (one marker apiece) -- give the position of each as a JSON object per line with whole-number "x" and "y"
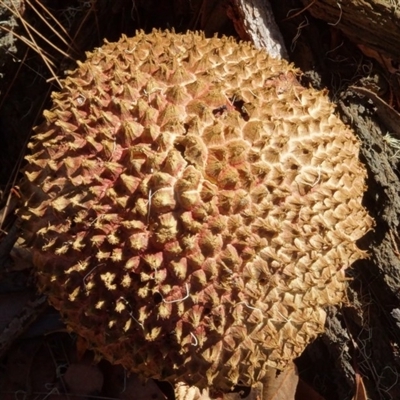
{"x": 371, "y": 23}
{"x": 254, "y": 21}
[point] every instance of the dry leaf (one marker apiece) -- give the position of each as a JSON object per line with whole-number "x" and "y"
{"x": 385, "y": 61}
{"x": 361, "y": 393}
{"x": 306, "y": 392}
{"x": 281, "y": 385}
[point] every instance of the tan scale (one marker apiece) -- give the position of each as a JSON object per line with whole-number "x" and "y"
{"x": 192, "y": 209}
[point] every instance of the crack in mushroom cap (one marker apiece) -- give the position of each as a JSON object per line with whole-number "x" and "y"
{"x": 191, "y": 208}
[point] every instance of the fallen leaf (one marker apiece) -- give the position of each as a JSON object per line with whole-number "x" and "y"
{"x": 281, "y": 385}
{"x": 385, "y": 61}
{"x": 305, "y": 392}
{"x": 361, "y": 393}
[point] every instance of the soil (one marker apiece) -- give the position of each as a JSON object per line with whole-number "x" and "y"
{"x": 40, "y": 359}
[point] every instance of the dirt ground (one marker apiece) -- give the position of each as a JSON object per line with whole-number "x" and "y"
{"x": 39, "y": 358}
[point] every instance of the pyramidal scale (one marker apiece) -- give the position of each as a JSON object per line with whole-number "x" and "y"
{"x": 191, "y": 208}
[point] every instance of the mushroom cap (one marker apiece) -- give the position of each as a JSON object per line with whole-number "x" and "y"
{"x": 191, "y": 208}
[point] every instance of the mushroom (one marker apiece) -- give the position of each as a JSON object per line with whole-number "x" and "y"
{"x": 192, "y": 209}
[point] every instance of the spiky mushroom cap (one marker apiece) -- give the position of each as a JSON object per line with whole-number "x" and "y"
{"x": 192, "y": 209}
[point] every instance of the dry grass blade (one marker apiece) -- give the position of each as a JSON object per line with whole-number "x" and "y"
{"x": 32, "y": 42}
{"x": 69, "y": 43}
{"x": 28, "y": 27}
{"x": 29, "y": 43}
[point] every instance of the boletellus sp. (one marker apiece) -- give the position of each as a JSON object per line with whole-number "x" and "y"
{"x": 191, "y": 208}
